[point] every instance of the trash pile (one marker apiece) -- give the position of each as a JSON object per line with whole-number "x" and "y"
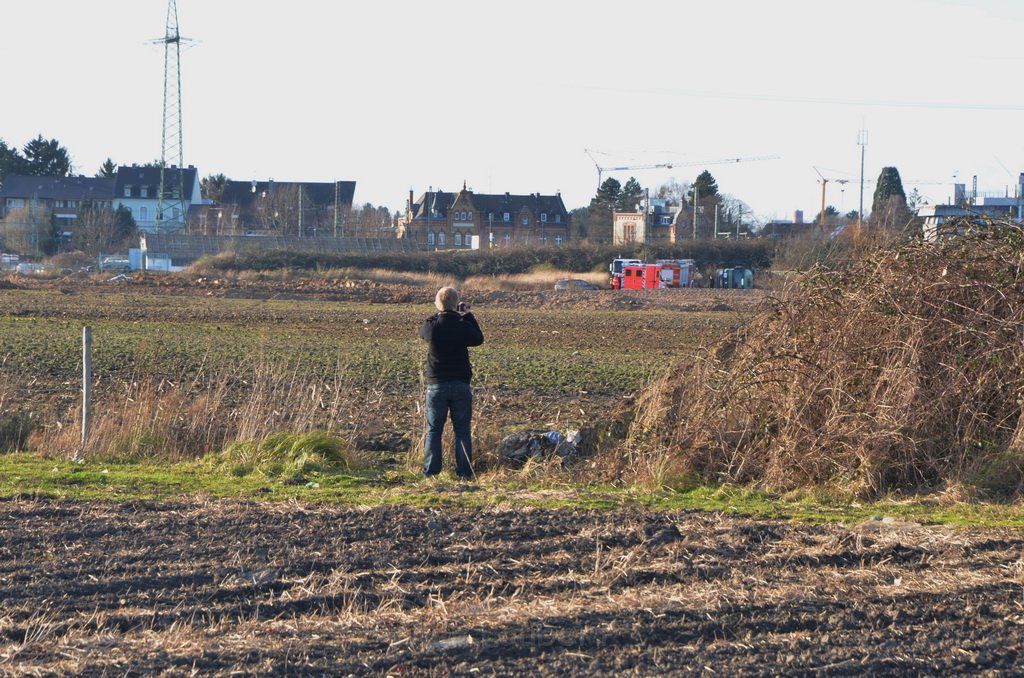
{"x": 523, "y": 446}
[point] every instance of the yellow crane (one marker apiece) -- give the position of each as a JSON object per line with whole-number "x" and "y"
{"x": 824, "y": 181}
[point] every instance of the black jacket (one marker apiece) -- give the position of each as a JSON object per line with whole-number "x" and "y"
{"x": 450, "y": 335}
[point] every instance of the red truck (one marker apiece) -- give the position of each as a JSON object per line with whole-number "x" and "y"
{"x": 640, "y": 277}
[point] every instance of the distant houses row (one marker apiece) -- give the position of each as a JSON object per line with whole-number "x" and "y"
{"x": 244, "y": 206}
{"x": 434, "y": 220}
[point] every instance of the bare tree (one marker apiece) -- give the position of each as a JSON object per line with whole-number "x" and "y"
{"x": 283, "y": 211}
{"x": 369, "y": 222}
{"x": 98, "y": 229}
{"x": 29, "y": 231}
{"x": 674, "y": 192}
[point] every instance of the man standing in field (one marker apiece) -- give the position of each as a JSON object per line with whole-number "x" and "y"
{"x": 449, "y": 333}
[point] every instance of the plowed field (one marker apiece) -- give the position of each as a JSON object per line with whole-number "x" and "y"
{"x": 197, "y": 587}
{"x": 226, "y": 588}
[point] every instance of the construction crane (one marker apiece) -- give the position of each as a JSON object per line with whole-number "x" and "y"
{"x": 669, "y": 165}
{"x": 824, "y": 181}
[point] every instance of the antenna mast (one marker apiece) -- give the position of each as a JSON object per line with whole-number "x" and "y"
{"x": 170, "y": 210}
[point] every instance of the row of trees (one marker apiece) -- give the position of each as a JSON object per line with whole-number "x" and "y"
{"x": 38, "y": 158}
{"x": 892, "y": 211}
{"x": 594, "y": 222}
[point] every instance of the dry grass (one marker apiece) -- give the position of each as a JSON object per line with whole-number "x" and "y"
{"x": 538, "y": 279}
{"x": 902, "y": 371}
{"x": 541, "y": 278}
{"x": 166, "y": 419}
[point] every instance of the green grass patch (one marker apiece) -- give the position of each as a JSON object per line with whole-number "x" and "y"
{"x": 286, "y": 455}
{"x": 329, "y": 482}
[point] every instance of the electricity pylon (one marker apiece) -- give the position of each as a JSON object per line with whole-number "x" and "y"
{"x": 170, "y": 209}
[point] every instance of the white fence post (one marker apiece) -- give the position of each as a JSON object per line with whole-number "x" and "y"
{"x": 86, "y": 382}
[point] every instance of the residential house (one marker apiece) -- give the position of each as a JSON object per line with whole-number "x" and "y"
{"x": 466, "y": 220}
{"x": 54, "y": 201}
{"x": 303, "y": 209}
{"x": 138, "y": 188}
{"x": 655, "y": 224}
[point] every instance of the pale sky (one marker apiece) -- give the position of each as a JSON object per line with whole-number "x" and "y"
{"x": 506, "y": 96}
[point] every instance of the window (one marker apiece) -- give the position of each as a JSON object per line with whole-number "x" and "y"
{"x": 469, "y": 215}
{"x": 544, "y": 217}
{"x": 127, "y": 191}
{"x": 430, "y": 238}
{"x": 143, "y": 191}
{"x": 543, "y": 238}
{"x": 508, "y": 238}
{"x": 526, "y": 220}
{"x": 440, "y": 239}
{"x": 458, "y": 239}
{"x": 558, "y": 240}
{"x": 143, "y": 214}
{"x": 505, "y": 216}
{"x": 558, "y": 218}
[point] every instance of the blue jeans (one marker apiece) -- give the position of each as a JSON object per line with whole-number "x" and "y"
{"x": 455, "y": 397}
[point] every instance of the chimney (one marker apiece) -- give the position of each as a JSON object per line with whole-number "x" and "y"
{"x": 411, "y": 203}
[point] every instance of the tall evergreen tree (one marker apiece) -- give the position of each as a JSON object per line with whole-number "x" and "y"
{"x": 630, "y": 196}
{"x": 599, "y": 222}
{"x": 108, "y": 170}
{"x": 46, "y": 158}
{"x": 889, "y": 209}
{"x": 706, "y": 187}
{"x": 212, "y": 186}
{"x": 11, "y": 161}
{"x": 889, "y": 185}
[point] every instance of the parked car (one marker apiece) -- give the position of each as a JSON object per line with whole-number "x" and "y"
{"x": 575, "y": 284}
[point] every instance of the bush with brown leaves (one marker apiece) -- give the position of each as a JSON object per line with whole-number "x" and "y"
{"x": 903, "y": 371}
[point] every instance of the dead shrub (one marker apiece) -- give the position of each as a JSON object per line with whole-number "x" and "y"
{"x": 15, "y": 428}
{"x": 902, "y": 371}
{"x": 15, "y": 423}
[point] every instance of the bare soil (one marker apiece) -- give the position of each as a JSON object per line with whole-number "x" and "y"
{"x": 225, "y": 587}
{"x": 369, "y": 291}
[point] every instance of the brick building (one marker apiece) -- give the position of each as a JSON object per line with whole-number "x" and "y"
{"x": 463, "y": 220}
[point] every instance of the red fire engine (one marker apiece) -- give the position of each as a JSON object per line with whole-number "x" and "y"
{"x": 640, "y": 277}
